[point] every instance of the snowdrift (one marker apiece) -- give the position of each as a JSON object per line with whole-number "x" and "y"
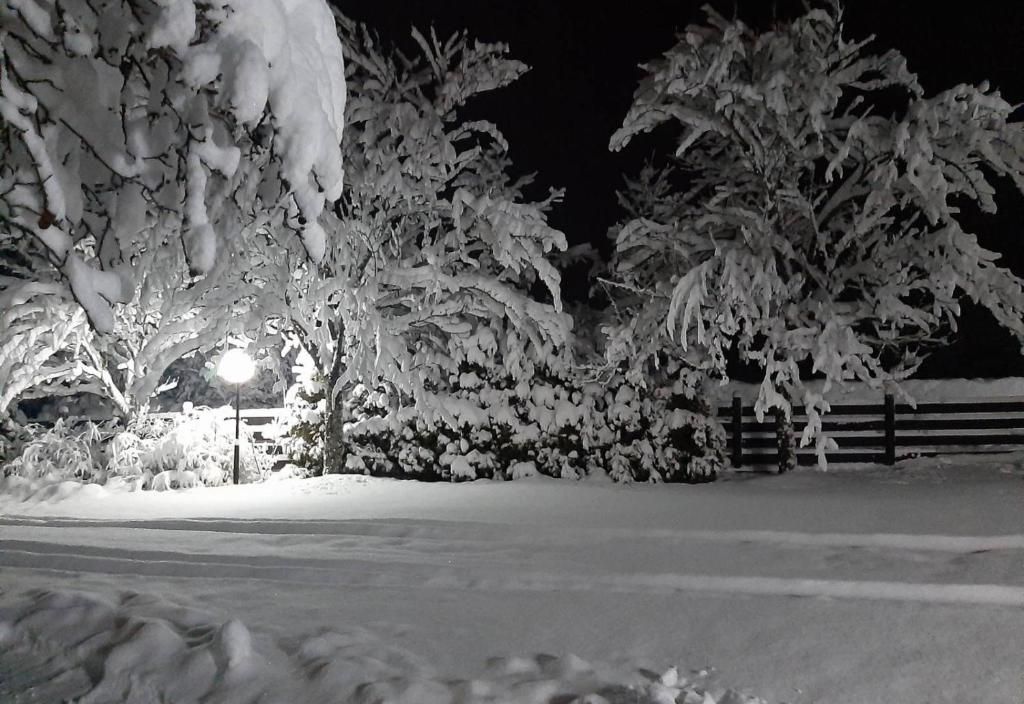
{"x": 65, "y": 645}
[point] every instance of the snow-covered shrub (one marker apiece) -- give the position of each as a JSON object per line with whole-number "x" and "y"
{"x": 42, "y": 331}
{"x": 655, "y": 431}
{"x": 13, "y": 437}
{"x": 159, "y": 452}
{"x": 62, "y": 451}
{"x": 488, "y": 426}
{"x": 196, "y": 446}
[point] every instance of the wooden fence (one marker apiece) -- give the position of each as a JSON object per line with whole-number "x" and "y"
{"x": 883, "y": 432}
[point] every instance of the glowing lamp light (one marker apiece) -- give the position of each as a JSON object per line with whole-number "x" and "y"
{"x": 236, "y": 367}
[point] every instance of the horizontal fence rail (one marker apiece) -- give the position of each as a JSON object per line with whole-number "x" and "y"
{"x": 882, "y": 432}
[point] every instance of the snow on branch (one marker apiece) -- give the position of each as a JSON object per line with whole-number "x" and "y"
{"x": 128, "y": 125}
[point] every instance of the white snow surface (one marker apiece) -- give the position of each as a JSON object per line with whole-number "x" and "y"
{"x": 853, "y": 586}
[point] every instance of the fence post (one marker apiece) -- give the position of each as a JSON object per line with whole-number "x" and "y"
{"x": 890, "y": 429}
{"x": 737, "y": 431}
{"x": 784, "y": 440}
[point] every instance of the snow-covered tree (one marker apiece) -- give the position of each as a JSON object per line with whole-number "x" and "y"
{"x": 433, "y": 256}
{"x": 812, "y": 211}
{"x": 48, "y": 348}
{"x": 129, "y": 125}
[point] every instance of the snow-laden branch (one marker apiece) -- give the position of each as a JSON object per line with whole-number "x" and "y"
{"x": 127, "y": 125}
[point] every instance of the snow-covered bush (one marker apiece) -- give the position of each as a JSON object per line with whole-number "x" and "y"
{"x": 490, "y": 426}
{"x": 193, "y": 448}
{"x": 659, "y": 431}
{"x": 13, "y": 436}
{"x": 61, "y": 451}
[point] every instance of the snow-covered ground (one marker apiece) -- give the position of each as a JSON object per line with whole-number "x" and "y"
{"x": 853, "y": 586}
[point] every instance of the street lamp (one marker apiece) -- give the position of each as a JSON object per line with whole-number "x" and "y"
{"x": 236, "y": 367}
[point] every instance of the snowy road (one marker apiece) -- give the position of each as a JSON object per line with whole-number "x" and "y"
{"x": 466, "y": 556}
{"x": 839, "y": 588}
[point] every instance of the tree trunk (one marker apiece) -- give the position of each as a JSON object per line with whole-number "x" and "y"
{"x": 786, "y": 440}
{"x": 334, "y": 441}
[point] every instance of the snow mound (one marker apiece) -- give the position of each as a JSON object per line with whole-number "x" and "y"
{"x": 46, "y": 490}
{"x": 141, "y": 648}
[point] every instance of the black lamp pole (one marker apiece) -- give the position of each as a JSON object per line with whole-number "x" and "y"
{"x": 238, "y": 420}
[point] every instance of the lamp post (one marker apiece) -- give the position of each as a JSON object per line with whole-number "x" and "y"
{"x": 236, "y": 367}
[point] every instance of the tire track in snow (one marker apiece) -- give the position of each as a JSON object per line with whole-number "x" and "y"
{"x": 897, "y": 541}
{"x": 461, "y": 531}
{"x": 380, "y": 546}
{"x": 974, "y": 594}
{"x": 367, "y": 574}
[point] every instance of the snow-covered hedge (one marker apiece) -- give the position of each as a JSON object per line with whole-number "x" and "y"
{"x": 192, "y": 449}
{"x": 557, "y": 425}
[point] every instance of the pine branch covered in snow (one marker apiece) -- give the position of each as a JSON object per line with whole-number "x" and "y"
{"x": 174, "y": 123}
{"x": 812, "y": 209}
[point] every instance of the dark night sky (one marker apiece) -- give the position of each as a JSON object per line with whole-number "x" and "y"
{"x": 584, "y": 67}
